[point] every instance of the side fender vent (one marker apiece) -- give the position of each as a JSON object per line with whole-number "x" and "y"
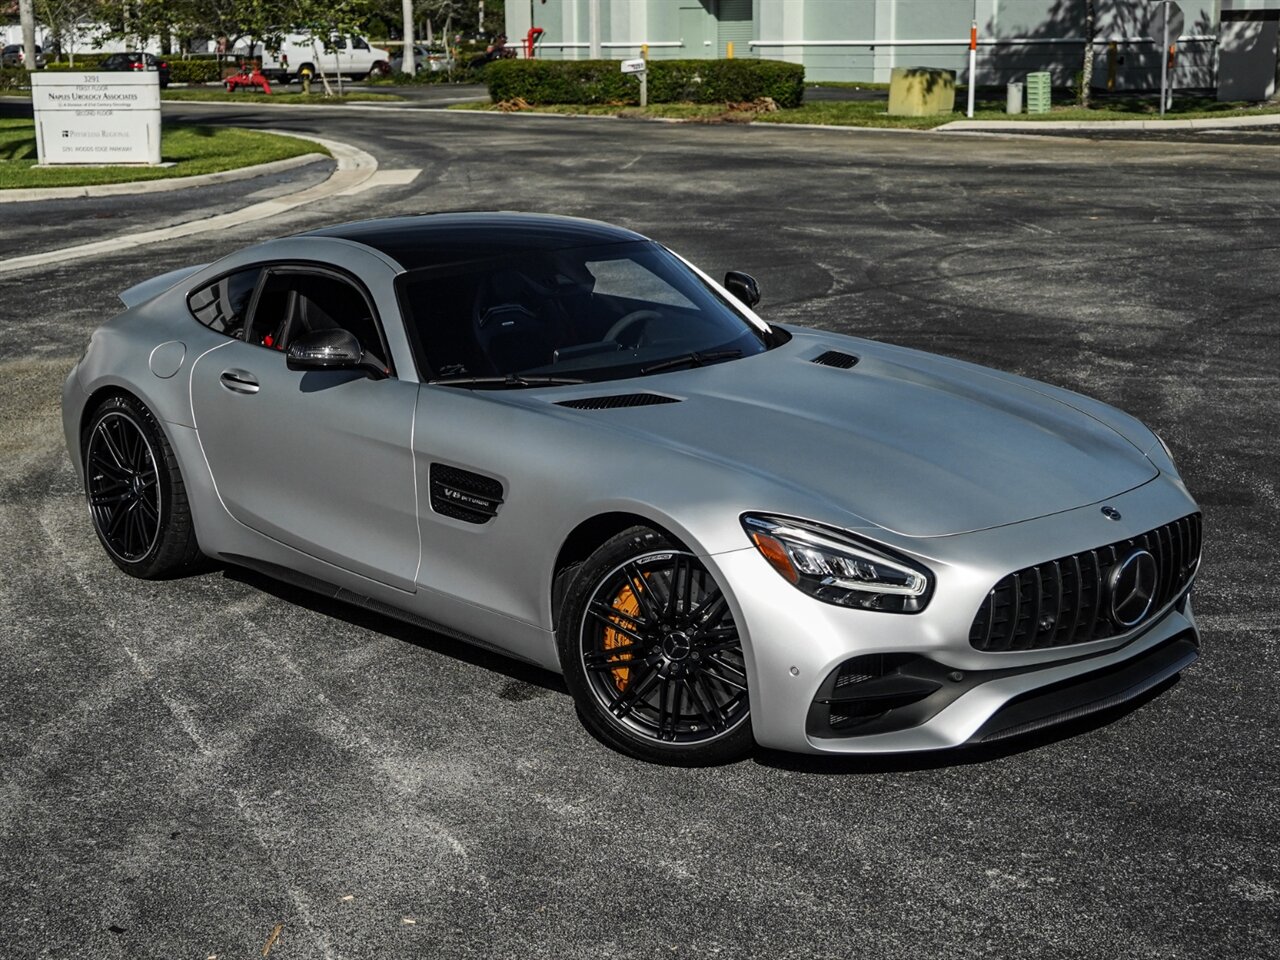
{"x": 616, "y": 400}
{"x": 464, "y": 495}
{"x": 834, "y": 358}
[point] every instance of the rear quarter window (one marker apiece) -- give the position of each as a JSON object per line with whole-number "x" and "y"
{"x": 223, "y": 306}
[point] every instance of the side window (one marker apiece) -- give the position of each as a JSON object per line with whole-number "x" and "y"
{"x": 359, "y": 43}
{"x": 293, "y": 304}
{"x": 273, "y": 311}
{"x": 223, "y": 306}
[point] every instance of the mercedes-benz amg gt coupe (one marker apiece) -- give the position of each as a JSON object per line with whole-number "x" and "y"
{"x": 560, "y": 440}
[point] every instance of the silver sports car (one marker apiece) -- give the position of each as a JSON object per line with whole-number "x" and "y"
{"x": 558, "y": 439}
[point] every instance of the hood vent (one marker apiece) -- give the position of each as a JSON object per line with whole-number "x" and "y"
{"x": 616, "y": 400}
{"x": 464, "y": 495}
{"x": 834, "y": 358}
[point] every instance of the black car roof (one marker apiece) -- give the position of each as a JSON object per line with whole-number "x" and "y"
{"x": 435, "y": 239}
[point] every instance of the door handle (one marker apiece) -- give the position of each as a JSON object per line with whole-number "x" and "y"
{"x": 239, "y": 381}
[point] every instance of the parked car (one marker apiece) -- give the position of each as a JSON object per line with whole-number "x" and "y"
{"x": 14, "y": 55}
{"x": 129, "y": 62}
{"x": 558, "y": 439}
{"x": 424, "y": 59}
{"x": 301, "y": 55}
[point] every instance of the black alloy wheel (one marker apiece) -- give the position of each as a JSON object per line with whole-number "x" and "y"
{"x": 653, "y": 655}
{"x": 137, "y": 500}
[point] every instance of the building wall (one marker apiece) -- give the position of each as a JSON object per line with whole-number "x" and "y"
{"x": 865, "y": 39}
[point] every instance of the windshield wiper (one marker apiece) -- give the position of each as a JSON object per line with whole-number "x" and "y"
{"x": 694, "y": 359}
{"x": 508, "y": 382}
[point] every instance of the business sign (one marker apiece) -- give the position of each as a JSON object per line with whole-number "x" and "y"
{"x": 634, "y": 66}
{"x": 97, "y": 117}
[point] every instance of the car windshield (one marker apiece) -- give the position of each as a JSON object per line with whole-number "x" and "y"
{"x": 582, "y": 314}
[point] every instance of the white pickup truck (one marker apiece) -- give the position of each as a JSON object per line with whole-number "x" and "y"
{"x": 301, "y": 54}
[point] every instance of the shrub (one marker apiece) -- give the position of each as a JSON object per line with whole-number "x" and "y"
{"x": 670, "y": 81}
{"x": 13, "y": 78}
{"x": 194, "y": 71}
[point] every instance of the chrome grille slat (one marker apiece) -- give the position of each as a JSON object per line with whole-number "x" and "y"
{"x": 1010, "y": 615}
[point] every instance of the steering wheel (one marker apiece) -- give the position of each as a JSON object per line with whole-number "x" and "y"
{"x": 636, "y": 318}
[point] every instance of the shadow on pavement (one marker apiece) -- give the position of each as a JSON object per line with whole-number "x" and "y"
{"x": 497, "y": 663}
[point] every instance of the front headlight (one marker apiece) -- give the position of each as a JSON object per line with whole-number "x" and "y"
{"x": 832, "y": 566}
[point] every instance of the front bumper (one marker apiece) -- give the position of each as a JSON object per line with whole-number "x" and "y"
{"x": 795, "y": 645}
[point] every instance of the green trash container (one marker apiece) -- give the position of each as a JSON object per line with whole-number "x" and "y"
{"x": 1039, "y": 92}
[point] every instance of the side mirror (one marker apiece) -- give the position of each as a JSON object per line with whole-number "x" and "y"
{"x": 743, "y": 286}
{"x": 330, "y": 350}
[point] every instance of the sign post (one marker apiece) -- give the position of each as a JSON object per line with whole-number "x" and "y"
{"x": 641, "y": 69}
{"x": 1162, "y": 22}
{"x": 973, "y": 66}
{"x": 96, "y": 117}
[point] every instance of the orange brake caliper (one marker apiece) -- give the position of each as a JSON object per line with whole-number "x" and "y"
{"x": 627, "y": 606}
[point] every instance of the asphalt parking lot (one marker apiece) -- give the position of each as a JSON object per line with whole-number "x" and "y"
{"x": 186, "y": 766}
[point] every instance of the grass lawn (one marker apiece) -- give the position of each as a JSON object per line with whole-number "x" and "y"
{"x": 193, "y": 150}
{"x": 874, "y": 113}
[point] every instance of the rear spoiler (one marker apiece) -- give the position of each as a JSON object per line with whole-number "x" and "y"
{"x": 147, "y": 289}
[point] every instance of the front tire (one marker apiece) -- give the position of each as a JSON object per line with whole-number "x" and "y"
{"x": 137, "y": 500}
{"x": 652, "y": 655}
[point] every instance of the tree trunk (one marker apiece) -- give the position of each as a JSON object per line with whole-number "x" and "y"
{"x": 1086, "y": 71}
{"x": 26, "y": 14}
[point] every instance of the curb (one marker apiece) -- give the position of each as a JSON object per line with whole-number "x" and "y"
{"x": 1213, "y": 123}
{"x": 356, "y": 171}
{"x": 1023, "y": 127}
{"x": 159, "y": 186}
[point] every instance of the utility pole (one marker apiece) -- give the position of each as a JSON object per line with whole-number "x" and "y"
{"x": 27, "y": 14}
{"x": 593, "y": 16}
{"x": 408, "y": 64}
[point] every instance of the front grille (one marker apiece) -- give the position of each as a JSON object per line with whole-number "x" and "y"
{"x": 614, "y": 400}
{"x": 1064, "y": 601}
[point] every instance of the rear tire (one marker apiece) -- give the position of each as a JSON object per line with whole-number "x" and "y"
{"x": 652, "y": 656}
{"x": 137, "y": 500}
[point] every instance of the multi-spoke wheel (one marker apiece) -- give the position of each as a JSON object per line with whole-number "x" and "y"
{"x": 136, "y": 496}
{"x": 652, "y": 654}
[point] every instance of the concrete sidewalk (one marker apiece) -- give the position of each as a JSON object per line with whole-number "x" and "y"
{"x": 1030, "y": 126}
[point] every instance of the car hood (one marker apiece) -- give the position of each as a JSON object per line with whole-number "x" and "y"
{"x": 916, "y": 444}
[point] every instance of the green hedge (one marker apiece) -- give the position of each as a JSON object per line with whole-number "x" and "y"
{"x": 670, "y": 81}
{"x": 469, "y": 69}
{"x": 84, "y": 61}
{"x": 195, "y": 71}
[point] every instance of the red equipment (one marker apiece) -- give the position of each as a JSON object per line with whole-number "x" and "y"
{"x": 530, "y": 39}
{"x": 250, "y": 75}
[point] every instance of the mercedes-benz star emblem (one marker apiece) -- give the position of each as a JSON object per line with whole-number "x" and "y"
{"x": 1110, "y": 512}
{"x": 1133, "y": 588}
